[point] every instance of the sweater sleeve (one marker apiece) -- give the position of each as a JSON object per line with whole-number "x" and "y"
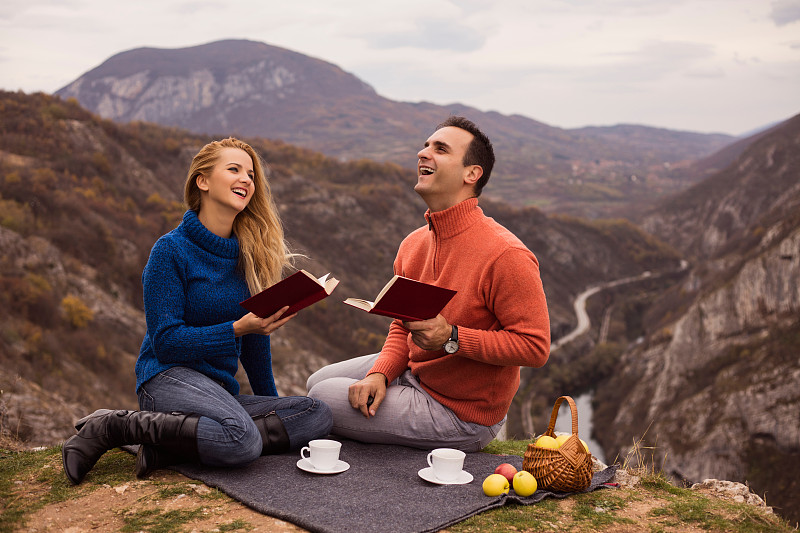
{"x": 256, "y": 360}
{"x": 513, "y": 291}
{"x": 393, "y": 360}
{"x": 173, "y": 341}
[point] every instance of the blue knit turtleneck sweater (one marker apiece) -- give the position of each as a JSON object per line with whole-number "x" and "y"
{"x": 192, "y": 290}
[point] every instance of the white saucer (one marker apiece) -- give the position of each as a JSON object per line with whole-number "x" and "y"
{"x": 339, "y": 467}
{"x": 428, "y": 475}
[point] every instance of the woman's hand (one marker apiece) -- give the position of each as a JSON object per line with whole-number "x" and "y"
{"x": 251, "y": 323}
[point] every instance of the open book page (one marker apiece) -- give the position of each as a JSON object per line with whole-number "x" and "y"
{"x": 366, "y": 305}
{"x": 328, "y": 284}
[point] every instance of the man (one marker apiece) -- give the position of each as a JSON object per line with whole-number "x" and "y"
{"x": 448, "y": 381}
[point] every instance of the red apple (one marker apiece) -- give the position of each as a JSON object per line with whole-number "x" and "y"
{"x": 506, "y": 470}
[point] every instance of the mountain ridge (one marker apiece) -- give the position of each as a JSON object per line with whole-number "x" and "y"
{"x": 255, "y": 89}
{"x": 712, "y": 384}
{"x": 745, "y": 196}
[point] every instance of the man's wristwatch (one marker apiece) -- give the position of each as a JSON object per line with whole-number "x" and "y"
{"x": 451, "y": 346}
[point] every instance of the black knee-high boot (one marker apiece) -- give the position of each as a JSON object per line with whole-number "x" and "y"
{"x": 179, "y": 445}
{"x": 106, "y": 429}
{"x": 273, "y": 434}
{"x": 273, "y": 437}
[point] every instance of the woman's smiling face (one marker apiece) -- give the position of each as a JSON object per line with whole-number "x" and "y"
{"x": 230, "y": 182}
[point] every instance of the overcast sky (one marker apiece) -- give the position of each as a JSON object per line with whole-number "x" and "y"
{"x": 727, "y": 66}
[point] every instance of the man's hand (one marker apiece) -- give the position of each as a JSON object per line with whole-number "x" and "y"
{"x": 373, "y": 386}
{"x": 429, "y": 334}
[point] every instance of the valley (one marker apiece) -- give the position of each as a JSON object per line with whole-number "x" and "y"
{"x": 83, "y": 198}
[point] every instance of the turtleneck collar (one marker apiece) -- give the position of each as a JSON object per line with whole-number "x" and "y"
{"x": 453, "y": 220}
{"x": 206, "y": 240}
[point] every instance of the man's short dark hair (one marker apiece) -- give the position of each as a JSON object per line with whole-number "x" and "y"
{"x": 479, "y": 151}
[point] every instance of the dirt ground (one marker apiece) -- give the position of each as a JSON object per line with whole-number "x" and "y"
{"x": 129, "y": 504}
{"x": 105, "y": 509}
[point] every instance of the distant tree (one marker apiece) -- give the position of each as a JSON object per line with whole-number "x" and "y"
{"x": 101, "y": 163}
{"x": 78, "y": 313}
{"x": 15, "y": 216}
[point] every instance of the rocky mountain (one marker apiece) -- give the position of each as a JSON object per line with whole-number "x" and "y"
{"x": 706, "y": 219}
{"x": 254, "y": 89}
{"x": 713, "y": 385}
{"x": 82, "y": 200}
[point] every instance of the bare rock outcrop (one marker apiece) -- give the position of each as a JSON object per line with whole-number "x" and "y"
{"x": 737, "y": 492}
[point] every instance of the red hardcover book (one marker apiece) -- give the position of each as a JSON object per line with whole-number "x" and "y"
{"x": 298, "y": 291}
{"x": 406, "y": 299}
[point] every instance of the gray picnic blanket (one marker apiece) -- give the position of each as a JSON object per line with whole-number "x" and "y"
{"x": 381, "y": 491}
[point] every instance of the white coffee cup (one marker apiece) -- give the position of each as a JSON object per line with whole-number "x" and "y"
{"x": 323, "y": 454}
{"x": 447, "y": 463}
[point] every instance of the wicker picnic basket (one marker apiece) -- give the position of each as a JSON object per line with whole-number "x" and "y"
{"x": 565, "y": 469}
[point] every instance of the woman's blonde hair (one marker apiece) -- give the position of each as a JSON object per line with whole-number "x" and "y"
{"x": 263, "y": 252}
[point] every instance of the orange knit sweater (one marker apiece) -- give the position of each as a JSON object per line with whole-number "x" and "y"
{"x": 500, "y": 310}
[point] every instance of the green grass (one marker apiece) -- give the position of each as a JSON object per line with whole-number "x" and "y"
{"x": 171, "y": 490}
{"x": 508, "y": 447}
{"x": 591, "y": 512}
{"x": 685, "y": 506}
{"x": 236, "y": 525}
{"x": 17, "y": 468}
{"x": 157, "y": 521}
{"x": 672, "y": 508}
{"x": 44, "y": 468}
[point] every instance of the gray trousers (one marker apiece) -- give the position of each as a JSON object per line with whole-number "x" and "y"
{"x": 408, "y": 415}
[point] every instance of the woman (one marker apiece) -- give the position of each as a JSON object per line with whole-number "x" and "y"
{"x": 230, "y": 245}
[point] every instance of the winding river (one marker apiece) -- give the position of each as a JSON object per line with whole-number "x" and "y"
{"x": 584, "y": 401}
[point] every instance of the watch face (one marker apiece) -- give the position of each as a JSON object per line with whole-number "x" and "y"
{"x": 451, "y": 346}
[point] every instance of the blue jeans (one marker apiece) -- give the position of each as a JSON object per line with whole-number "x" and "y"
{"x": 226, "y": 433}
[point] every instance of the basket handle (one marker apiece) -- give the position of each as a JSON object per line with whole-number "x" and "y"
{"x": 573, "y": 410}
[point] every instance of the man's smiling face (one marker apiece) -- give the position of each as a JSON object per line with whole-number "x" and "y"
{"x": 440, "y": 168}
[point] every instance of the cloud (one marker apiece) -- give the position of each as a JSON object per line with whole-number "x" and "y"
{"x": 619, "y": 8}
{"x": 17, "y": 9}
{"x": 651, "y": 62}
{"x": 565, "y": 62}
{"x": 785, "y": 12}
{"x": 706, "y": 73}
{"x": 193, "y": 7}
{"x": 430, "y": 35}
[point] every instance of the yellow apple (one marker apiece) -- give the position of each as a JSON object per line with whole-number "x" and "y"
{"x": 495, "y": 485}
{"x": 561, "y": 439}
{"x": 546, "y": 441}
{"x": 524, "y": 483}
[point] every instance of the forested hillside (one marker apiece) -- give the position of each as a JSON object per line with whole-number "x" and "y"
{"x": 82, "y": 199}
